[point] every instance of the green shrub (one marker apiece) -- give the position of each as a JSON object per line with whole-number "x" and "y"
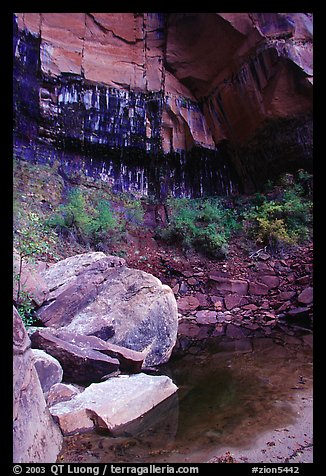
{"x": 89, "y": 222}
{"x": 286, "y": 219}
{"x": 133, "y": 212}
{"x": 203, "y": 224}
{"x": 25, "y": 309}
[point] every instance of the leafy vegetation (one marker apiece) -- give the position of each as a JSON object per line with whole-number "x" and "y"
{"x": 88, "y": 223}
{"x": 281, "y": 216}
{"x": 93, "y": 217}
{"x": 32, "y": 239}
{"x": 93, "y": 221}
{"x": 205, "y": 225}
{"x": 285, "y": 217}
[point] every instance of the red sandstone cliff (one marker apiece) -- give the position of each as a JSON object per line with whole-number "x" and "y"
{"x": 245, "y": 67}
{"x": 223, "y": 76}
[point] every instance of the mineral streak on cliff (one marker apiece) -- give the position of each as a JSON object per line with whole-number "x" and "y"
{"x": 171, "y": 86}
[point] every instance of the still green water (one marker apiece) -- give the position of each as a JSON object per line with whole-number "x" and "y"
{"x": 223, "y": 400}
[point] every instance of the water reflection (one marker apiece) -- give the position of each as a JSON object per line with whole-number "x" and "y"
{"x": 223, "y": 399}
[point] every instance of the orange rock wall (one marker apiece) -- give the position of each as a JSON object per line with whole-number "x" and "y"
{"x": 222, "y": 75}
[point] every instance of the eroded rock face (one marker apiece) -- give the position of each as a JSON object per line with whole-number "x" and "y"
{"x": 175, "y": 81}
{"x": 127, "y": 307}
{"x": 36, "y": 438}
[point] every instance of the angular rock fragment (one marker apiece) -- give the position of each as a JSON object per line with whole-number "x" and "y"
{"x": 48, "y": 369}
{"x": 226, "y": 284}
{"x": 271, "y": 282}
{"x": 61, "y": 392}
{"x": 80, "y": 364}
{"x": 110, "y": 404}
{"x": 306, "y": 296}
{"x": 130, "y": 360}
{"x": 232, "y": 300}
{"x": 187, "y": 304}
{"x": 258, "y": 288}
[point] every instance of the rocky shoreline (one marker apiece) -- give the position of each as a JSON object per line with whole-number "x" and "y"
{"x": 133, "y": 309}
{"x": 106, "y": 322}
{"x": 251, "y": 294}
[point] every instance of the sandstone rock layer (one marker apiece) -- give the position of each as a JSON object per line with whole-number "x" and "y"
{"x": 172, "y": 82}
{"x": 36, "y": 438}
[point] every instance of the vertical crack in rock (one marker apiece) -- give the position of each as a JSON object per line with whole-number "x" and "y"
{"x": 108, "y": 30}
{"x": 145, "y": 51}
{"x": 83, "y": 50}
{"x": 131, "y": 87}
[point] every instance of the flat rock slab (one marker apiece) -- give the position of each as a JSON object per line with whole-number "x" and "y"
{"x": 130, "y": 360}
{"x": 238, "y": 286}
{"x": 110, "y": 404}
{"x": 80, "y": 364}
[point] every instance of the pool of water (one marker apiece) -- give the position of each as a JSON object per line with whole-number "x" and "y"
{"x": 223, "y": 400}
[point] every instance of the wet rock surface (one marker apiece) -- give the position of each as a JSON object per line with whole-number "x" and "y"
{"x": 259, "y": 293}
{"x": 224, "y": 323}
{"x": 131, "y": 82}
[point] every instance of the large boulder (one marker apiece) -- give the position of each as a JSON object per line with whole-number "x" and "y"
{"x": 36, "y": 438}
{"x": 63, "y": 273}
{"x": 113, "y": 403}
{"x": 124, "y": 306}
{"x": 30, "y": 279}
